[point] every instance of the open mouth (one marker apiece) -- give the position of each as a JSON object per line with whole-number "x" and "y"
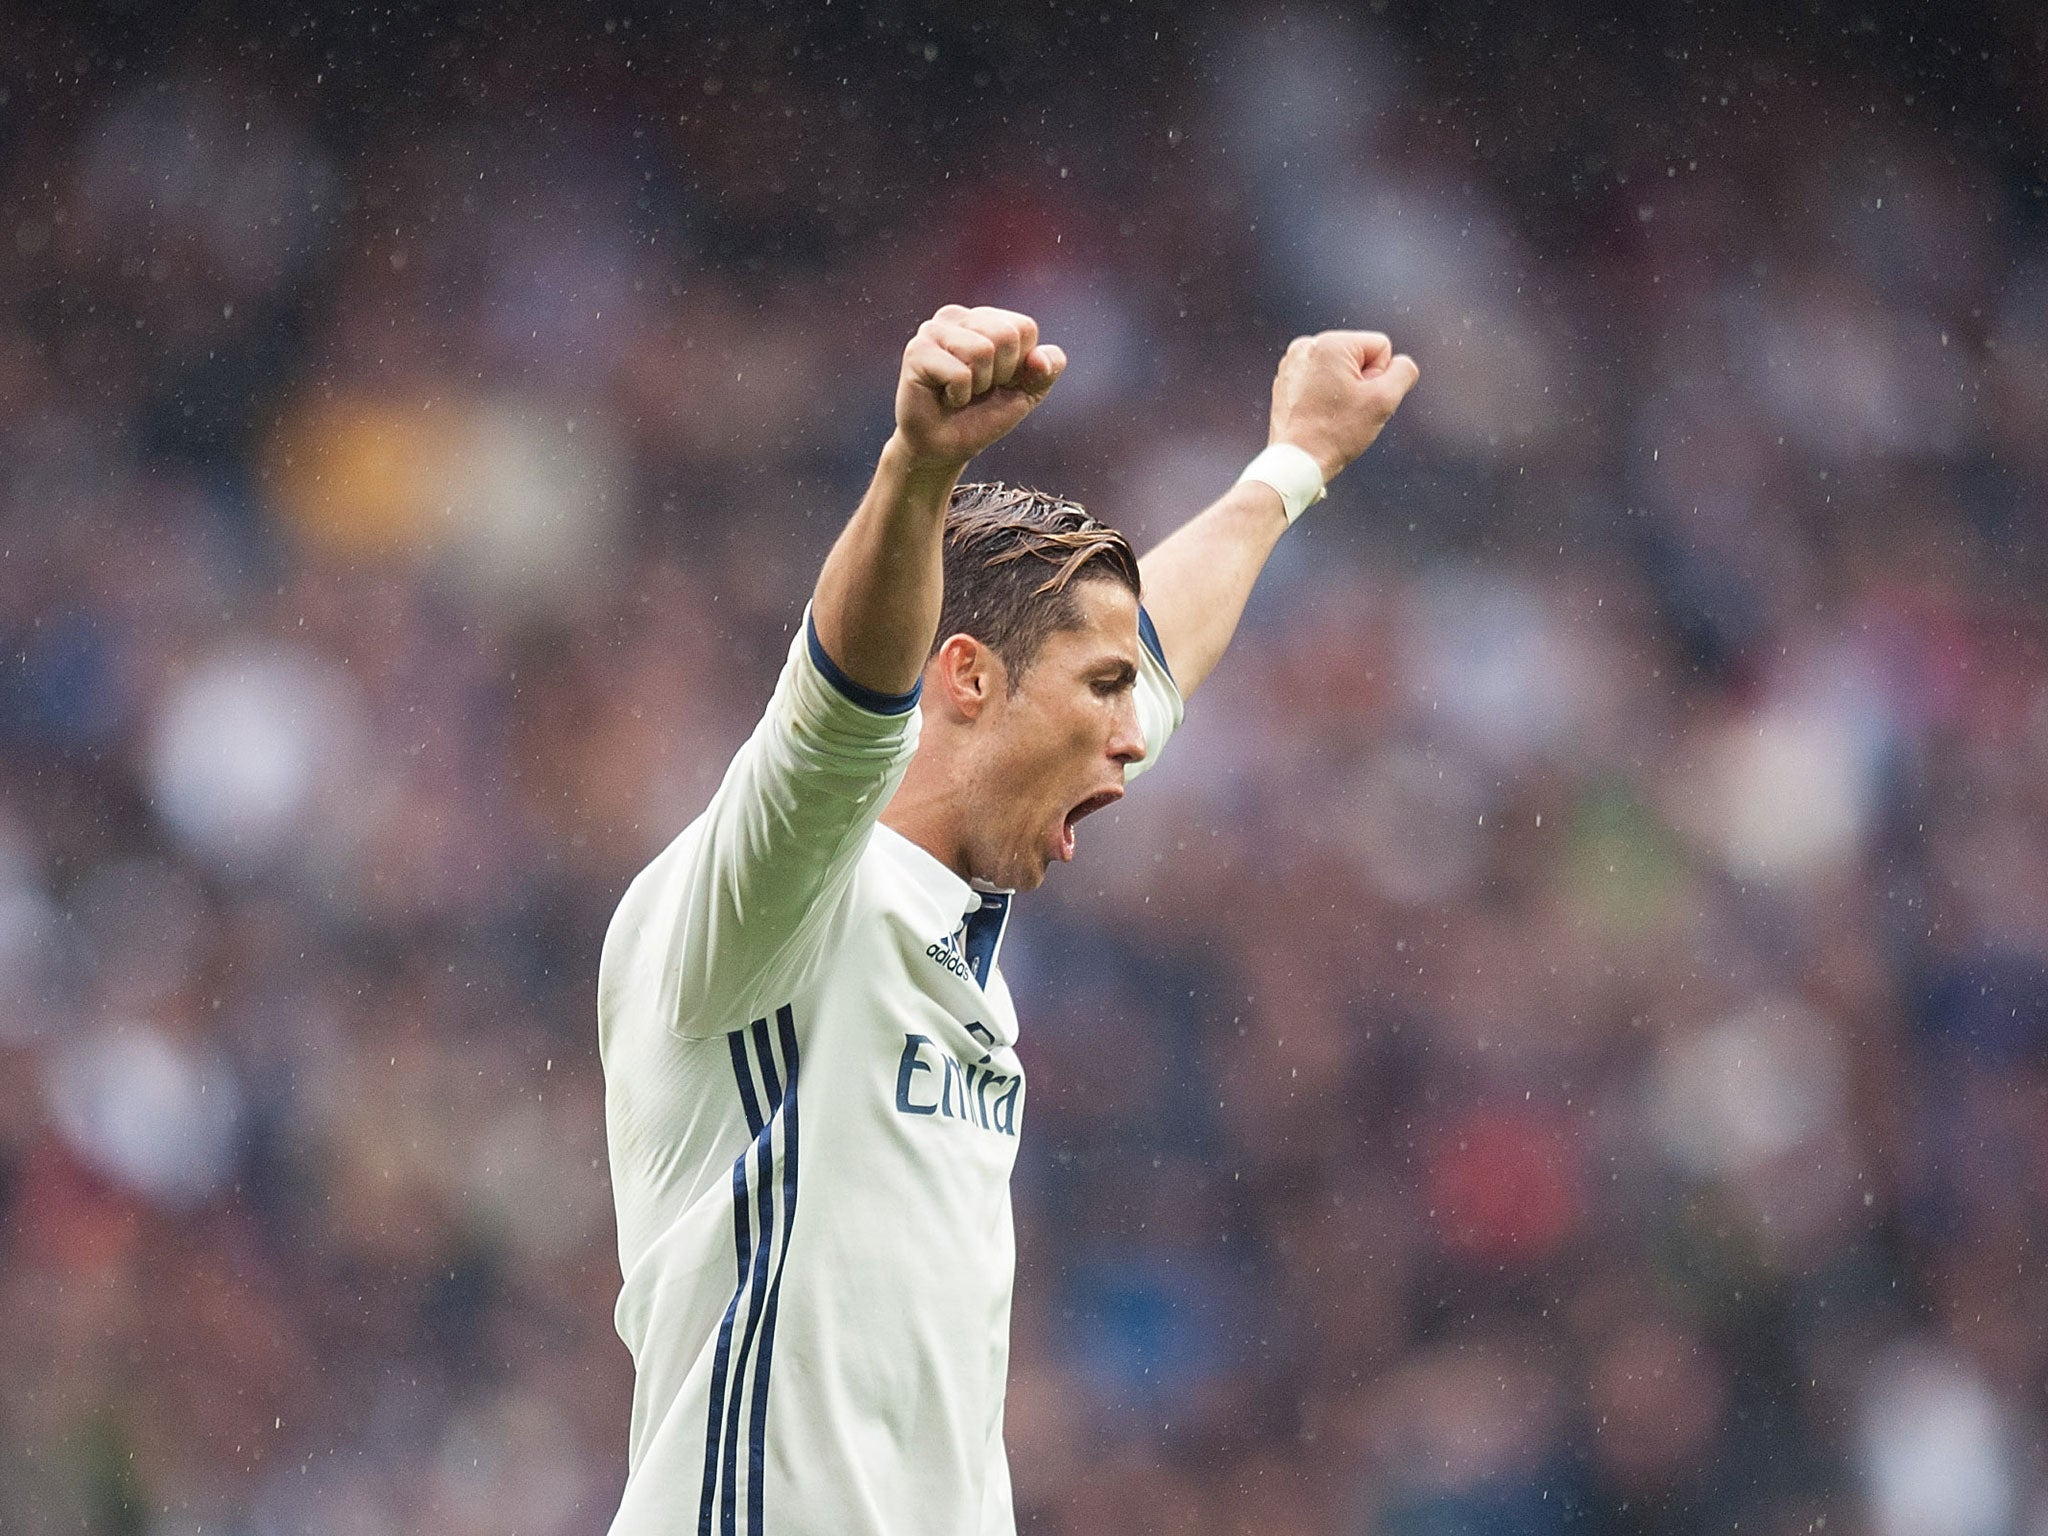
{"x": 1094, "y": 803}
{"x": 1088, "y": 807}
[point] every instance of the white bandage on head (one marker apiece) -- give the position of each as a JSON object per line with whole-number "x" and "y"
{"x": 1291, "y": 471}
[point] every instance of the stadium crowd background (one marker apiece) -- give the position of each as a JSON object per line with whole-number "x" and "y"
{"x": 1561, "y": 1044}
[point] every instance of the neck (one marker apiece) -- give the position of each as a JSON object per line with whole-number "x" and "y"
{"x": 929, "y": 808}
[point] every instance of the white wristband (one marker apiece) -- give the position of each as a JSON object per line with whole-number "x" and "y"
{"x": 1291, "y": 471}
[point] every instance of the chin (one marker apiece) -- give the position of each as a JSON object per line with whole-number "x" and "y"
{"x": 1024, "y": 874}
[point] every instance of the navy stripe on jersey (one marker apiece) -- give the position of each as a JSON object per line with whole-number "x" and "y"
{"x": 767, "y": 1058}
{"x": 785, "y": 1027}
{"x": 872, "y": 700}
{"x": 720, "y": 1361}
{"x": 755, "y": 1247}
{"x": 747, "y": 1253}
{"x": 765, "y": 1159}
{"x": 737, "y": 1043}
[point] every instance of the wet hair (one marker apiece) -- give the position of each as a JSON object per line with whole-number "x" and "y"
{"x": 1012, "y": 556}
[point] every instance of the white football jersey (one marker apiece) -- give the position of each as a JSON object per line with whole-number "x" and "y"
{"x": 812, "y": 1100}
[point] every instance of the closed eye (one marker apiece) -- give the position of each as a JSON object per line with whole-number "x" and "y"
{"x": 1120, "y": 679}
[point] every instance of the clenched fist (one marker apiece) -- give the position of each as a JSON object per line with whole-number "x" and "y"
{"x": 1334, "y": 392}
{"x": 969, "y": 376}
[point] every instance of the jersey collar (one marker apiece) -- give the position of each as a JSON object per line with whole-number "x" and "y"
{"x": 951, "y": 897}
{"x": 981, "y": 935}
{"x": 978, "y": 912}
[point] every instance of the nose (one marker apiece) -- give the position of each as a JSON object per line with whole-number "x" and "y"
{"x": 1127, "y": 738}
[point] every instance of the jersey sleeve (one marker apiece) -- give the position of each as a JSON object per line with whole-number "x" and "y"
{"x": 732, "y": 910}
{"x": 1160, "y": 705}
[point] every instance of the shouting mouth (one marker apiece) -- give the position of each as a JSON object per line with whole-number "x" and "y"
{"x": 1088, "y": 807}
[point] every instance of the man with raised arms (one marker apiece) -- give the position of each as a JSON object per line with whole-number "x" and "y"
{"x": 813, "y": 1095}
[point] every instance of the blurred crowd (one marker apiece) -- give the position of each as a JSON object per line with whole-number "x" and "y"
{"x": 1559, "y": 1045}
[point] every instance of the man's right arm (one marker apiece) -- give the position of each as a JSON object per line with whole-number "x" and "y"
{"x": 727, "y": 913}
{"x": 969, "y": 376}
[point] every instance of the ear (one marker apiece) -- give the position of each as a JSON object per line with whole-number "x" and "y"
{"x": 963, "y": 676}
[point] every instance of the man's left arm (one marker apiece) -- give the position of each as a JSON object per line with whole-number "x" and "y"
{"x": 1332, "y": 394}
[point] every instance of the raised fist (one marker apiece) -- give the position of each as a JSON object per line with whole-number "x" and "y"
{"x": 969, "y": 376}
{"x": 1334, "y": 392}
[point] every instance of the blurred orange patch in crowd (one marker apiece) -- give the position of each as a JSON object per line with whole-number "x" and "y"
{"x": 361, "y": 477}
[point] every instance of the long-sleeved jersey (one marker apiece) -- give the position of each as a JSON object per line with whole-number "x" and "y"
{"x": 812, "y": 1101}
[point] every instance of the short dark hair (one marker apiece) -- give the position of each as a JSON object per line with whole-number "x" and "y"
{"x": 1012, "y": 555}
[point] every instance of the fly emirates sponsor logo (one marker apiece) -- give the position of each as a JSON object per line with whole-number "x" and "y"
{"x": 931, "y": 1082}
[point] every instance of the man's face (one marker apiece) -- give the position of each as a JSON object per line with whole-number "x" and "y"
{"x": 1055, "y": 749}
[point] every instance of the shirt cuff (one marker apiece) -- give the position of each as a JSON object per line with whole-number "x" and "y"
{"x": 858, "y": 693}
{"x": 1150, "y": 637}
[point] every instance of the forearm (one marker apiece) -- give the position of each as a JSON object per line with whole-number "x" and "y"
{"x": 969, "y": 375}
{"x": 877, "y": 602}
{"x": 1332, "y": 394}
{"x": 1197, "y": 581}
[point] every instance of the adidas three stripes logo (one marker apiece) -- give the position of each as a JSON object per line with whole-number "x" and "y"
{"x": 763, "y": 1201}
